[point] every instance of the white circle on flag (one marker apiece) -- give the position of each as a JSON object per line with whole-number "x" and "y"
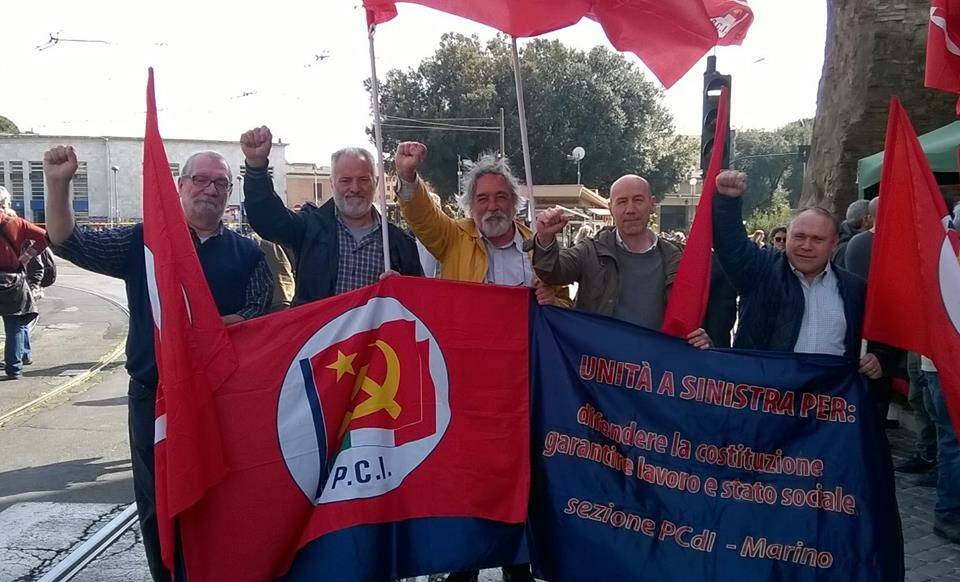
{"x": 372, "y": 465}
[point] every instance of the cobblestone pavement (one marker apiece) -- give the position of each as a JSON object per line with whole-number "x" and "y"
{"x": 927, "y": 556}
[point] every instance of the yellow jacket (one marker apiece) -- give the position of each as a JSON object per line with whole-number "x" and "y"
{"x": 457, "y": 244}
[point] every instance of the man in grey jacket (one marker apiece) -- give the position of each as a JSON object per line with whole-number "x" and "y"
{"x": 626, "y": 271}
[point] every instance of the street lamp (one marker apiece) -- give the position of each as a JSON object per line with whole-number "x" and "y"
{"x": 240, "y": 198}
{"x": 576, "y": 155}
{"x": 114, "y": 209}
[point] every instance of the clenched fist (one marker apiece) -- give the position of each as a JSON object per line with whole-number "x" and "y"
{"x": 256, "y": 145}
{"x": 549, "y": 223}
{"x": 409, "y": 156}
{"x": 60, "y": 164}
{"x": 731, "y": 183}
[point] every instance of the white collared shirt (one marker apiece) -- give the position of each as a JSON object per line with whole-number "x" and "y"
{"x": 508, "y": 265}
{"x": 624, "y": 246}
{"x": 824, "y": 325}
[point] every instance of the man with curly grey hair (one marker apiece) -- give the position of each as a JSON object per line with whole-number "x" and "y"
{"x": 487, "y": 247}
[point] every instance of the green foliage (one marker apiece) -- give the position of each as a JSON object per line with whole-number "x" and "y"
{"x": 594, "y": 99}
{"x": 758, "y": 153}
{"x": 775, "y": 213}
{"x": 7, "y": 126}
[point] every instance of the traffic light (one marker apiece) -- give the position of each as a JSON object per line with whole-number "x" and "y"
{"x": 713, "y": 83}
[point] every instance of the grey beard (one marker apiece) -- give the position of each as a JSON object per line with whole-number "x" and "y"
{"x": 351, "y": 211}
{"x": 494, "y": 224}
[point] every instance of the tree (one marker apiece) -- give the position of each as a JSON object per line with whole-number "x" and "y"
{"x": 594, "y": 99}
{"x": 776, "y": 213}
{"x": 772, "y": 162}
{"x": 7, "y": 126}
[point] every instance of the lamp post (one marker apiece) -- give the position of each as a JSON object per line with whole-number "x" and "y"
{"x": 114, "y": 209}
{"x": 240, "y": 198}
{"x": 576, "y": 155}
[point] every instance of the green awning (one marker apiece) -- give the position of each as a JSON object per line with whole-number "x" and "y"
{"x": 940, "y": 145}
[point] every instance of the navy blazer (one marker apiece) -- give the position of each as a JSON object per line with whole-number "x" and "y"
{"x": 771, "y": 295}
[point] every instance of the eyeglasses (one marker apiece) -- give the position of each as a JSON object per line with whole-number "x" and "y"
{"x": 222, "y": 185}
{"x": 779, "y": 239}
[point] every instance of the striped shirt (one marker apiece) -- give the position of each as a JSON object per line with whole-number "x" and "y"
{"x": 361, "y": 260}
{"x": 824, "y": 324}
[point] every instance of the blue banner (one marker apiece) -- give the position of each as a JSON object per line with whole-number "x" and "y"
{"x": 656, "y": 461}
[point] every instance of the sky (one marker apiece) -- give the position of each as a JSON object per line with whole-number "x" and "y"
{"x": 224, "y": 67}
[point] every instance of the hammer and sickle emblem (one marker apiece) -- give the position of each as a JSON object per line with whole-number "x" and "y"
{"x": 381, "y": 396}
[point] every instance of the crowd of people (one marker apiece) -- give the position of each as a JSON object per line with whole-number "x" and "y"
{"x": 789, "y": 295}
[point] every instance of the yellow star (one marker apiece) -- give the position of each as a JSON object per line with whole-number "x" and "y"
{"x": 343, "y": 365}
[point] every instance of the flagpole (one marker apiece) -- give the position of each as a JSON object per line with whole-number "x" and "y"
{"x": 528, "y": 171}
{"x": 378, "y": 133}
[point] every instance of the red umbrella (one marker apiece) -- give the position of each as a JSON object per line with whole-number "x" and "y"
{"x": 669, "y": 36}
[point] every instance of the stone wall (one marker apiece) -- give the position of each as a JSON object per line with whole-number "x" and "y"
{"x": 874, "y": 49}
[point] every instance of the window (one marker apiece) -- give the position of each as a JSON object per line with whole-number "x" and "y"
{"x": 81, "y": 193}
{"x": 16, "y": 186}
{"x": 36, "y": 180}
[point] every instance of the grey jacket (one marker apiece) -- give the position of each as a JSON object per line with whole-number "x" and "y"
{"x": 593, "y": 264}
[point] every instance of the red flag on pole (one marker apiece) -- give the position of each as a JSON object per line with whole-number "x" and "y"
{"x": 943, "y": 46}
{"x": 691, "y": 288}
{"x": 913, "y": 296}
{"x": 669, "y": 37}
{"x": 194, "y": 353}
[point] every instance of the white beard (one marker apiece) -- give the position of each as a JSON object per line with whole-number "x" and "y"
{"x": 494, "y": 223}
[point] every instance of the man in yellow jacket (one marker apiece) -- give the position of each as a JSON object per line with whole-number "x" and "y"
{"x": 488, "y": 247}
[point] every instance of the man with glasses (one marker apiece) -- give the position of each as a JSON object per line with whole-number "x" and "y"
{"x": 337, "y": 247}
{"x": 234, "y": 267}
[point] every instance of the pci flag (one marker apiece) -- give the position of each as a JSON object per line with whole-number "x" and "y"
{"x": 371, "y": 436}
{"x": 653, "y": 460}
{"x": 913, "y": 296}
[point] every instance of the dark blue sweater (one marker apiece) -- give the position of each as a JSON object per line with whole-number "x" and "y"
{"x": 771, "y": 296}
{"x": 228, "y": 261}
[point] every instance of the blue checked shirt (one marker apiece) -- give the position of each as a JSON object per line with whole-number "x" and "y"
{"x": 824, "y": 324}
{"x": 361, "y": 261}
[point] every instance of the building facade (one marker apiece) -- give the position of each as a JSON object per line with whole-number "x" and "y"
{"x": 308, "y": 183}
{"x": 109, "y": 182}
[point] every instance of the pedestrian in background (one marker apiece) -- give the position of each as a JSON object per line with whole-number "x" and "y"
{"x": 18, "y": 304}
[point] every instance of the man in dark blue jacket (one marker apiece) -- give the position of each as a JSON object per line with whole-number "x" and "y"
{"x": 337, "y": 247}
{"x": 793, "y": 301}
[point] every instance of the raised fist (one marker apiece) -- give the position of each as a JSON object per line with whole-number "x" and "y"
{"x": 256, "y": 145}
{"x": 549, "y": 223}
{"x": 731, "y": 183}
{"x": 409, "y": 156}
{"x": 60, "y": 164}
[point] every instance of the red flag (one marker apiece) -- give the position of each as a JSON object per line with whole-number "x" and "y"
{"x": 669, "y": 37}
{"x": 379, "y": 11}
{"x": 943, "y": 46}
{"x": 194, "y": 353}
{"x": 913, "y": 295}
{"x": 691, "y": 288}
{"x": 363, "y": 430}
